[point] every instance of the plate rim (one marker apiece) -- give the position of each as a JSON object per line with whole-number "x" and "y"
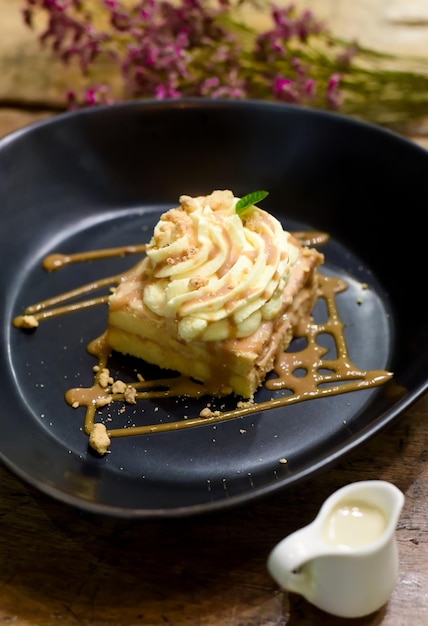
{"x": 377, "y": 425}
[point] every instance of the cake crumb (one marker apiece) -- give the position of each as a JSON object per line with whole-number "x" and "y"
{"x": 105, "y": 379}
{"x": 245, "y": 405}
{"x": 28, "y": 321}
{"x": 130, "y": 395}
{"x": 103, "y": 401}
{"x": 283, "y": 461}
{"x": 99, "y": 439}
{"x": 118, "y": 386}
{"x": 206, "y": 413}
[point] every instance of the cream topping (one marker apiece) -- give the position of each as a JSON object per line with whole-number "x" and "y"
{"x": 217, "y": 273}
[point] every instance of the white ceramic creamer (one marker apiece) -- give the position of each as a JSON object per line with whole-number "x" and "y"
{"x": 346, "y": 561}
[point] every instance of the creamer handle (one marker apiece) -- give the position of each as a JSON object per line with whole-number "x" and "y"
{"x": 287, "y": 560}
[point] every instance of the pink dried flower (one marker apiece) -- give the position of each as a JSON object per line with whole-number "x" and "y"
{"x": 93, "y": 96}
{"x": 310, "y": 88}
{"x": 285, "y": 90}
{"x": 167, "y": 91}
{"x": 308, "y": 25}
{"x": 298, "y": 87}
{"x": 233, "y": 87}
{"x": 184, "y": 48}
{"x": 288, "y": 25}
{"x": 333, "y": 95}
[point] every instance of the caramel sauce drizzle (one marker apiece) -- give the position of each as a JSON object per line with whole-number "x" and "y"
{"x": 304, "y": 373}
{"x": 57, "y": 261}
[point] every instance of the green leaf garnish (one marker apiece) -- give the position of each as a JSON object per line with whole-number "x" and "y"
{"x": 250, "y": 199}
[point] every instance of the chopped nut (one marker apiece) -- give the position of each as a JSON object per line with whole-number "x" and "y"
{"x": 99, "y": 439}
{"x": 197, "y": 282}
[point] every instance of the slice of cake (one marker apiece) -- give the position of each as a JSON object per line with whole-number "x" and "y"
{"x": 217, "y": 295}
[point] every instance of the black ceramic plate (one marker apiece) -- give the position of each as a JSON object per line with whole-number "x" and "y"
{"x": 100, "y": 178}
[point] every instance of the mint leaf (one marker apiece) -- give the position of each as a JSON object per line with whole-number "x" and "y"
{"x": 249, "y": 200}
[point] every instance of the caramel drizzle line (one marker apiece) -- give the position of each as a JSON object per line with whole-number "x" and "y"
{"x": 48, "y": 308}
{"x": 371, "y": 381}
{"x": 160, "y": 388}
{"x": 57, "y": 261}
{"x": 69, "y": 295}
{"x": 341, "y": 368}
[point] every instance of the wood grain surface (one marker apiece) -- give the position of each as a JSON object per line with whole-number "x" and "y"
{"x": 63, "y": 567}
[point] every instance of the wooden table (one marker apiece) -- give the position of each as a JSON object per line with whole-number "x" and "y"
{"x": 59, "y": 566}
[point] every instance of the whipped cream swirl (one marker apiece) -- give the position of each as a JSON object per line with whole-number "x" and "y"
{"x": 217, "y": 274}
